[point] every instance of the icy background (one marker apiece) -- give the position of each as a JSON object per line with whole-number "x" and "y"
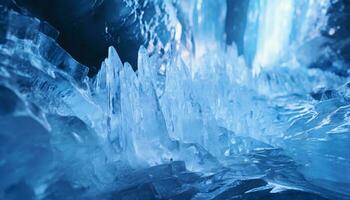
{"x": 196, "y": 118}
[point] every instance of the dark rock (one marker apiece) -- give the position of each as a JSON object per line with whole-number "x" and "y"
{"x": 19, "y": 191}
{"x": 238, "y": 188}
{"x": 144, "y": 191}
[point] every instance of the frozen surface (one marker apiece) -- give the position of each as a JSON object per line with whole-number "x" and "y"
{"x": 196, "y": 122}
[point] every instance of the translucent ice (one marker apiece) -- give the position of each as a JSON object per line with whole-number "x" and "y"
{"x": 201, "y": 123}
{"x": 276, "y": 29}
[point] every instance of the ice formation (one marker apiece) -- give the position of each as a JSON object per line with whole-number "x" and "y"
{"x": 199, "y": 121}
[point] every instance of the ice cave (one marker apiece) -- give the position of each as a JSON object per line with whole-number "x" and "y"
{"x": 174, "y": 99}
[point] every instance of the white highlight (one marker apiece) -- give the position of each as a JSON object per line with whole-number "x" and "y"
{"x": 275, "y": 24}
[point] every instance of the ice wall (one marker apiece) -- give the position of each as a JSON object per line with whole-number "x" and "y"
{"x": 276, "y": 31}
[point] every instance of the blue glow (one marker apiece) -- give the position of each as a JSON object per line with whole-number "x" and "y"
{"x": 193, "y": 120}
{"x": 275, "y": 24}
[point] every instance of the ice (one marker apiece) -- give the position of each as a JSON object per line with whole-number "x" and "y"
{"x": 162, "y": 181}
{"x": 143, "y": 123}
{"x": 105, "y": 89}
{"x": 275, "y": 30}
{"x": 201, "y": 123}
{"x": 50, "y": 120}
